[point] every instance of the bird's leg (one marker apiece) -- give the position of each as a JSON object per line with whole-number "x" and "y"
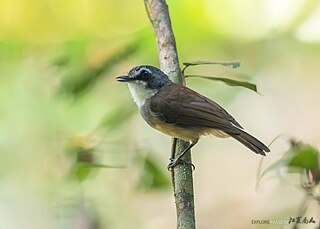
{"x": 177, "y": 160}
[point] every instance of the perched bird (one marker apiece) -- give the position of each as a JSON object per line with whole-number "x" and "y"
{"x": 182, "y": 113}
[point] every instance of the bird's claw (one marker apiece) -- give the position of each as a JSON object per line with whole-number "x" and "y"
{"x": 175, "y": 161}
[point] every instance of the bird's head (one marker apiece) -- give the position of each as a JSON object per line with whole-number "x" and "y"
{"x": 144, "y": 82}
{"x": 147, "y": 77}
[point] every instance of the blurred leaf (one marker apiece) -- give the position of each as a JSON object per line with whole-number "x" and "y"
{"x": 82, "y": 171}
{"x": 61, "y": 61}
{"x": 299, "y": 157}
{"x": 232, "y": 64}
{"x": 284, "y": 161}
{"x": 98, "y": 165}
{"x": 229, "y": 82}
{"x": 82, "y": 151}
{"x": 83, "y": 146}
{"x": 117, "y": 117}
{"x": 153, "y": 176}
{"x": 74, "y": 53}
{"x": 85, "y": 155}
{"x": 85, "y": 167}
{"x": 306, "y": 158}
{"x": 81, "y": 80}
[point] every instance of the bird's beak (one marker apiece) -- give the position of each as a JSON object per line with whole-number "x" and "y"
{"x": 124, "y": 78}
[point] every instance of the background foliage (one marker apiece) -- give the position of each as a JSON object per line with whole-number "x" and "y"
{"x": 64, "y": 119}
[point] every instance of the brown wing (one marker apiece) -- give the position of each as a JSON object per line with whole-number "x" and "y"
{"x": 185, "y": 108}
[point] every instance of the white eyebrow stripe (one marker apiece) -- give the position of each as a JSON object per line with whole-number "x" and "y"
{"x": 143, "y": 68}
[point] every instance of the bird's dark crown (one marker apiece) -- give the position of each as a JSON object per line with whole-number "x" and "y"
{"x": 151, "y": 77}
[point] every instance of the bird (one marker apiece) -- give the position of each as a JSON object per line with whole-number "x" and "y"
{"x": 181, "y": 112}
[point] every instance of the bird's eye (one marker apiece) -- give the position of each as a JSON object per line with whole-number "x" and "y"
{"x": 144, "y": 74}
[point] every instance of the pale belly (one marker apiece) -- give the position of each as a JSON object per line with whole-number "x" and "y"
{"x": 188, "y": 134}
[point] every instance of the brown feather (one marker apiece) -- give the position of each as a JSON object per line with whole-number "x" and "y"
{"x": 186, "y": 108}
{"x": 183, "y": 113}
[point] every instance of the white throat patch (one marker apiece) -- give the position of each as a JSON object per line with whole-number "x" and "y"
{"x": 140, "y": 93}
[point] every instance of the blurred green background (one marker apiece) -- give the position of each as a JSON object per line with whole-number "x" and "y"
{"x": 64, "y": 118}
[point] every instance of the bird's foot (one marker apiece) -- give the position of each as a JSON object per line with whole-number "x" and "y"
{"x": 175, "y": 161}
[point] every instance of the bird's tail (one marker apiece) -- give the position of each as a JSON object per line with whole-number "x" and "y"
{"x": 251, "y": 142}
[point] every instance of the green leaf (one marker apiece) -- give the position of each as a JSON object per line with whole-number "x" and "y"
{"x": 80, "y": 79}
{"x": 299, "y": 156}
{"x": 82, "y": 171}
{"x": 117, "y": 117}
{"x": 306, "y": 158}
{"x": 229, "y": 82}
{"x": 232, "y": 64}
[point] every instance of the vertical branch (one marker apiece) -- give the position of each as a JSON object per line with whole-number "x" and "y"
{"x": 168, "y": 56}
{"x": 181, "y": 175}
